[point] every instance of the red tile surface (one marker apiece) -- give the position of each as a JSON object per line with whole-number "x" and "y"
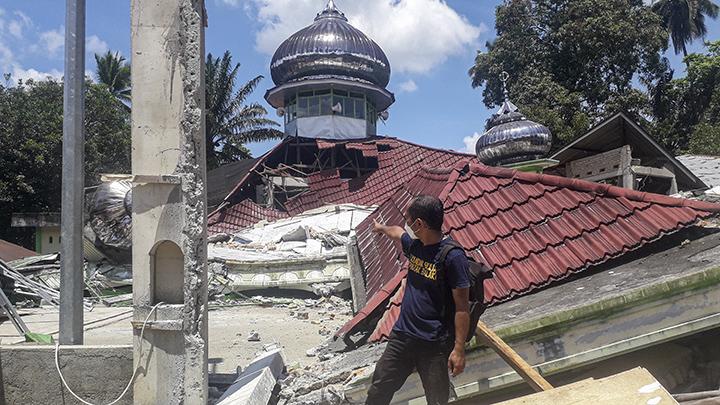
{"x": 533, "y": 230}
{"x": 241, "y": 215}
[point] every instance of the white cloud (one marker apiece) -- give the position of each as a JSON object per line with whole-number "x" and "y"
{"x": 15, "y": 34}
{"x": 231, "y": 3}
{"x": 52, "y": 41}
{"x": 408, "y": 86}
{"x": 417, "y": 35}
{"x": 15, "y": 29}
{"x": 470, "y": 142}
{"x": 93, "y": 45}
{"x": 26, "y": 74}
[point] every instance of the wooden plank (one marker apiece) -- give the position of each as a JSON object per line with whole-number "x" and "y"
{"x": 532, "y": 377}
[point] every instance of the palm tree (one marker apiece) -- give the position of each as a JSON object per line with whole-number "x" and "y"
{"x": 685, "y": 20}
{"x": 114, "y": 72}
{"x": 229, "y": 122}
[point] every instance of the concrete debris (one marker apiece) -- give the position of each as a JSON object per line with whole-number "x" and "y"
{"x": 219, "y": 238}
{"x": 255, "y": 385}
{"x": 324, "y": 382}
{"x": 306, "y": 252}
{"x": 253, "y": 337}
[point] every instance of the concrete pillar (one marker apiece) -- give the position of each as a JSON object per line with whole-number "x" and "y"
{"x": 169, "y": 201}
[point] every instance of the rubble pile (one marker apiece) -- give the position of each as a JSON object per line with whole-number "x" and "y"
{"x": 35, "y": 279}
{"x": 323, "y": 382}
{"x": 306, "y": 252}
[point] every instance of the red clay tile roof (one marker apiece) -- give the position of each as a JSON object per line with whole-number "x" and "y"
{"x": 10, "y": 251}
{"x": 397, "y": 162}
{"x": 531, "y": 229}
{"x": 241, "y": 215}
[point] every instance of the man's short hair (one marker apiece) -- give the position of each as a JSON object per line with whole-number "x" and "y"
{"x": 429, "y": 209}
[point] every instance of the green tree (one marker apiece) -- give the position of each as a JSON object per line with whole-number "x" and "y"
{"x": 685, "y": 20}
{"x": 31, "y": 138}
{"x": 572, "y": 63}
{"x": 230, "y": 123}
{"x": 687, "y": 110}
{"x": 114, "y": 72}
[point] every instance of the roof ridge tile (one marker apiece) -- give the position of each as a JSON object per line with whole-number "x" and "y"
{"x": 605, "y": 189}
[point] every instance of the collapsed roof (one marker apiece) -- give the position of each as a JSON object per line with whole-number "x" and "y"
{"x": 364, "y": 172}
{"x": 533, "y": 230}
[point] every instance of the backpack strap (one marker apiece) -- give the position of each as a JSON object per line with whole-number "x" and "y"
{"x": 446, "y": 249}
{"x": 449, "y": 246}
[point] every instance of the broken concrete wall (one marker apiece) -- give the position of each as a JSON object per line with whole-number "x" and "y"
{"x": 169, "y": 201}
{"x": 97, "y": 374}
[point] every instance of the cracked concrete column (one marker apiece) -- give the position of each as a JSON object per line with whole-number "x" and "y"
{"x": 169, "y": 201}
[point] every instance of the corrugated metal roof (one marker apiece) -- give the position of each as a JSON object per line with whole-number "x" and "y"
{"x": 707, "y": 168}
{"x": 221, "y": 181}
{"x": 533, "y": 230}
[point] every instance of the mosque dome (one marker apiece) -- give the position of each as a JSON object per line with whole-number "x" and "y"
{"x": 330, "y": 48}
{"x": 512, "y": 138}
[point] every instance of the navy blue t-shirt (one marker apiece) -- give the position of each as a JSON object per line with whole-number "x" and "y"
{"x": 421, "y": 314}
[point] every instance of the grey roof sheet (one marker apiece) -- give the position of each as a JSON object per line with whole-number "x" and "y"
{"x": 707, "y": 168}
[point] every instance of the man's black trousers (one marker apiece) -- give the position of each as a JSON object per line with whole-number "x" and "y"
{"x": 402, "y": 356}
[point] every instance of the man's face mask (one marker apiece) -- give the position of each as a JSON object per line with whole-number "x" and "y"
{"x": 409, "y": 230}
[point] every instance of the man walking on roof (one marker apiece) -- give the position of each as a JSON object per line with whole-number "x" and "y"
{"x": 429, "y": 336}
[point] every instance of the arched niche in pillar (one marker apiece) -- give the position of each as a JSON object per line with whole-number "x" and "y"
{"x": 168, "y": 274}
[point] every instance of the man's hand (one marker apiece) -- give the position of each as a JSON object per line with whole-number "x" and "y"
{"x": 378, "y": 227}
{"x": 394, "y": 232}
{"x": 456, "y": 361}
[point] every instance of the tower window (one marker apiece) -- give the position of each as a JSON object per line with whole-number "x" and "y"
{"x": 322, "y": 102}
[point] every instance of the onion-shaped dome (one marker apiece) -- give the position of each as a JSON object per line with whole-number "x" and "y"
{"x": 512, "y": 138}
{"x": 330, "y": 48}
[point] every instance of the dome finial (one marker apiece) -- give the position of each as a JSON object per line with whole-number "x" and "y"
{"x": 331, "y": 10}
{"x": 504, "y": 76}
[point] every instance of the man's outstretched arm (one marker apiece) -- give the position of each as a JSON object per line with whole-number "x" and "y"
{"x": 393, "y": 232}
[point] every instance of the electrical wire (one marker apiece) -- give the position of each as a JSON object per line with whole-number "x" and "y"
{"x": 132, "y": 378}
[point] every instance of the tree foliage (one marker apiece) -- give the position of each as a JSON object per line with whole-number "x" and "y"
{"x": 230, "y": 123}
{"x": 572, "y": 63}
{"x": 687, "y": 110}
{"x": 685, "y": 20}
{"x": 114, "y": 72}
{"x": 31, "y": 133}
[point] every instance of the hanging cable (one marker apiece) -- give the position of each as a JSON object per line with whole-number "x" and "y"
{"x": 132, "y": 378}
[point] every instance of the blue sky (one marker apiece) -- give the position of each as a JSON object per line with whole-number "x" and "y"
{"x": 430, "y": 43}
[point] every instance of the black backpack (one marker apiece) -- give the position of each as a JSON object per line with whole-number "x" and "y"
{"x": 477, "y": 273}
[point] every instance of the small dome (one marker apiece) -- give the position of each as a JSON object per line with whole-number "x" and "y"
{"x": 512, "y": 138}
{"x": 330, "y": 48}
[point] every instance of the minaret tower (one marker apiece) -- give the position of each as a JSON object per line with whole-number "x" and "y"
{"x": 330, "y": 80}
